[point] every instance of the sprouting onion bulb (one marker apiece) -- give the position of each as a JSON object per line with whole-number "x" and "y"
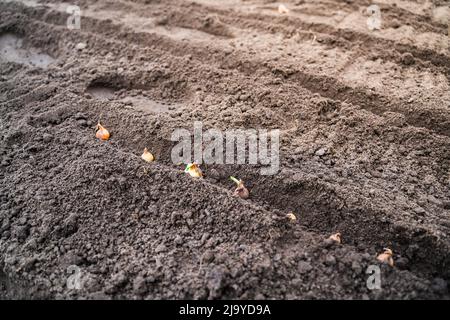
{"x": 238, "y": 182}
{"x": 147, "y": 156}
{"x": 194, "y": 170}
{"x": 241, "y": 191}
{"x": 386, "y": 257}
{"x": 102, "y": 133}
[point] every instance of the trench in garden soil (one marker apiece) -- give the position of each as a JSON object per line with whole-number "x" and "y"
{"x": 317, "y": 205}
{"x": 319, "y": 209}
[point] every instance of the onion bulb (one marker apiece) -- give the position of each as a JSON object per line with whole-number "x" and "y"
{"x": 147, "y": 156}
{"x": 336, "y": 237}
{"x": 291, "y": 217}
{"x": 194, "y": 170}
{"x": 102, "y": 133}
{"x": 241, "y": 191}
{"x": 386, "y": 257}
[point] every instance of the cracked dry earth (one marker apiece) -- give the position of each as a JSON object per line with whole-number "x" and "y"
{"x": 365, "y": 149}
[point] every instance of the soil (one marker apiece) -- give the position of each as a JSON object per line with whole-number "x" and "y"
{"x": 365, "y": 149}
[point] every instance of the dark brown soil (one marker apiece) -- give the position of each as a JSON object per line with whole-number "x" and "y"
{"x": 378, "y": 102}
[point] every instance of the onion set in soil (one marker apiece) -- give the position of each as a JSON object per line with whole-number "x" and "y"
{"x": 336, "y": 238}
{"x": 291, "y": 216}
{"x": 386, "y": 257}
{"x": 241, "y": 191}
{"x": 147, "y": 156}
{"x": 194, "y": 170}
{"x": 101, "y": 132}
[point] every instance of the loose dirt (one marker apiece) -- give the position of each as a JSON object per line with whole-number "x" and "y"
{"x": 365, "y": 149}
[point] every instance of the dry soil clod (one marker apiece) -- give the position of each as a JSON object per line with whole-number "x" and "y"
{"x": 102, "y": 133}
{"x": 241, "y": 191}
{"x": 147, "y": 156}
{"x": 194, "y": 170}
{"x": 386, "y": 257}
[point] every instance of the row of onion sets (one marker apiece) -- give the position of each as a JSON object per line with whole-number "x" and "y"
{"x": 240, "y": 191}
{"x": 192, "y": 169}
